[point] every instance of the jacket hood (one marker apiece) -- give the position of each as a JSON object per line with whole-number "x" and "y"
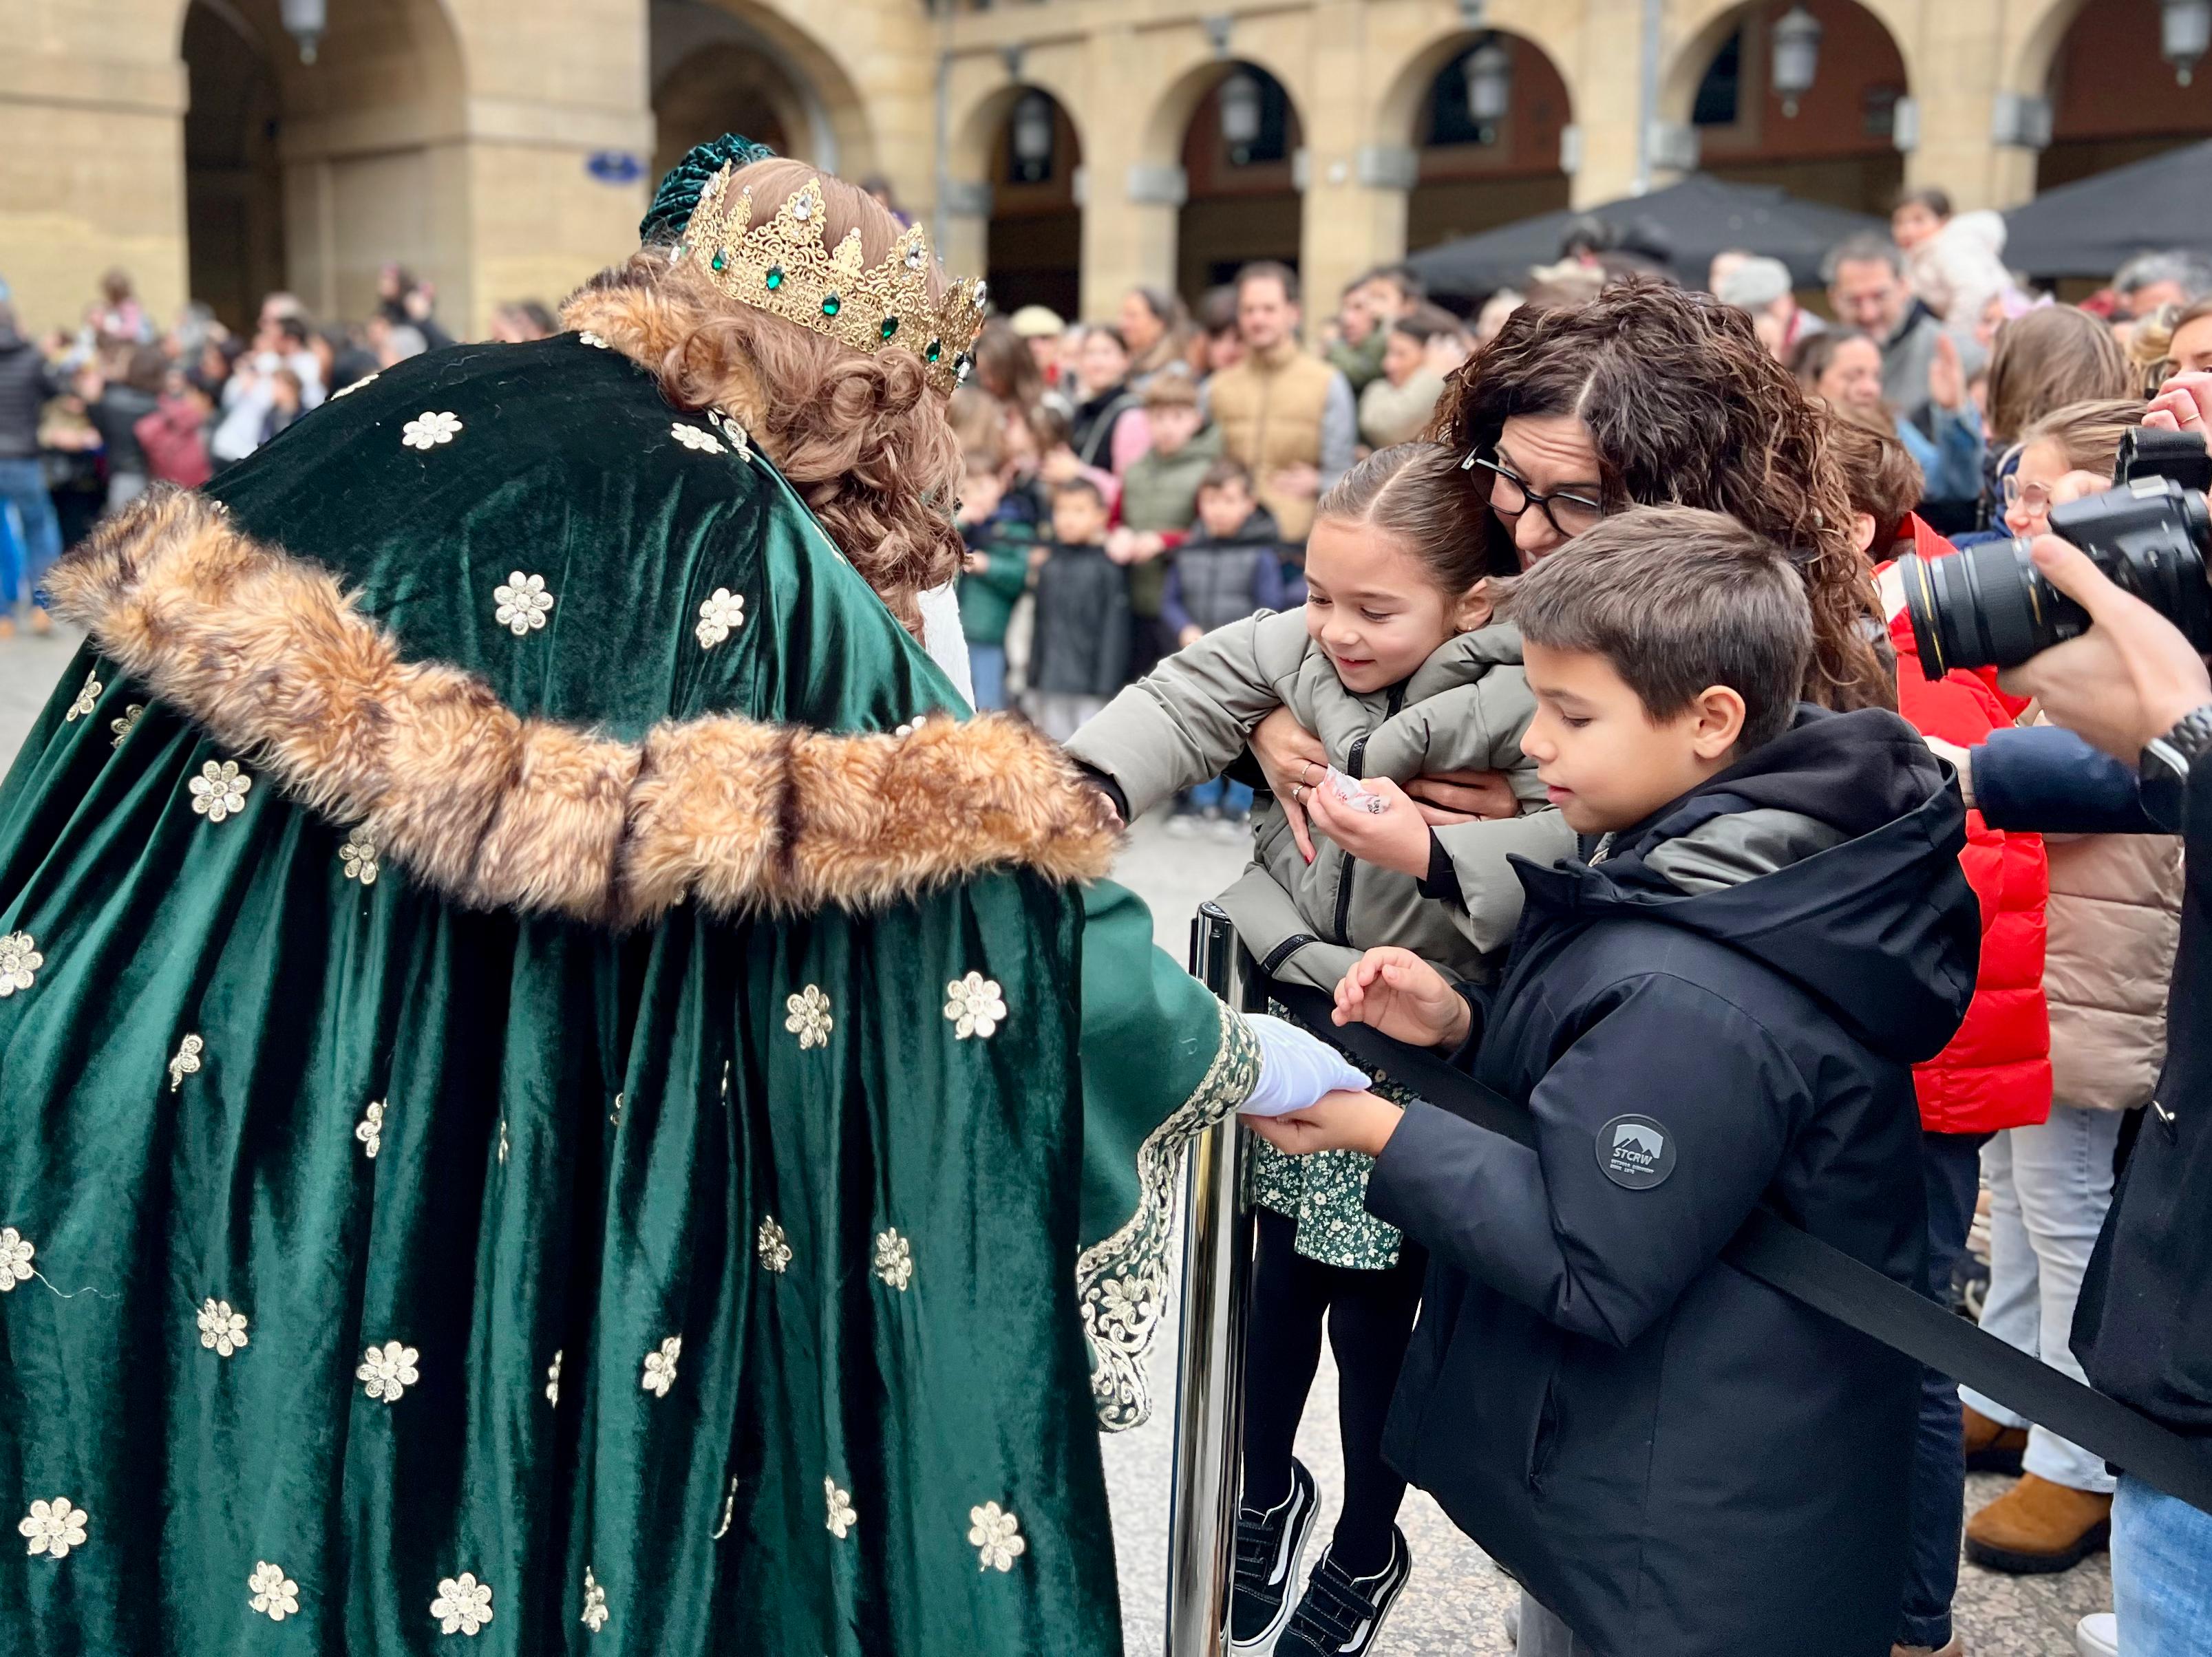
{"x": 1830, "y": 855}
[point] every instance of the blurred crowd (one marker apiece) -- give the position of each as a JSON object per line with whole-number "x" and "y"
{"x": 89, "y": 419}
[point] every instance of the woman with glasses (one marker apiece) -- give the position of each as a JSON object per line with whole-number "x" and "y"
{"x": 1646, "y": 395}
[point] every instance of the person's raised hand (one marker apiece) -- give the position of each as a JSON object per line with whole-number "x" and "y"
{"x": 1397, "y": 992}
{"x": 2184, "y": 403}
{"x": 1341, "y": 1121}
{"x": 2131, "y": 677}
{"x": 1289, "y": 754}
{"x": 1395, "y": 838}
{"x": 1449, "y": 797}
{"x": 1946, "y": 378}
{"x": 1121, "y": 544}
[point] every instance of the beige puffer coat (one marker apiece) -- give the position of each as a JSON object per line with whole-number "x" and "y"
{"x": 1463, "y": 709}
{"x": 2114, "y": 920}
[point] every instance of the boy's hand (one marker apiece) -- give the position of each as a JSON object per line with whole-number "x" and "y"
{"x": 977, "y": 563}
{"x": 1189, "y": 636}
{"x": 1397, "y": 992}
{"x": 1341, "y": 1121}
{"x": 1396, "y": 837}
{"x": 1121, "y": 544}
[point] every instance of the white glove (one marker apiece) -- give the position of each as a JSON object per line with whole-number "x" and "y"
{"x": 1296, "y": 1069}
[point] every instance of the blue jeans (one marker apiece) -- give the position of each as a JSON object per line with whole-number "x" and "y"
{"x": 2050, "y": 1187}
{"x": 23, "y": 487}
{"x": 2161, "y": 1574}
{"x": 987, "y": 665}
{"x": 1235, "y": 798}
{"x": 1951, "y": 1170}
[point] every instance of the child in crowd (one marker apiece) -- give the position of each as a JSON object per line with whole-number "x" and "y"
{"x": 1717, "y": 1012}
{"x": 1393, "y": 665}
{"x": 1228, "y": 568}
{"x": 1080, "y": 656}
{"x": 1995, "y": 1074}
{"x": 999, "y": 533}
{"x": 1159, "y": 494}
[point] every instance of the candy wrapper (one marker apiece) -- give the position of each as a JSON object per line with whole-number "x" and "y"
{"x": 1350, "y": 792}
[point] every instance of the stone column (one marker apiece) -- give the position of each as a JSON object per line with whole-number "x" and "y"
{"x": 1354, "y": 211}
{"x": 1129, "y": 201}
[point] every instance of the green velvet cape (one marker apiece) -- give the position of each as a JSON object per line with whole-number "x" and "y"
{"x": 507, "y": 1144}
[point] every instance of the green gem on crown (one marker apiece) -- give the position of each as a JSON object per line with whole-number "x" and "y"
{"x": 831, "y": 305}
{"x": 891, "y": 326}
{"x": 775, "y": 277}
{"x": 718, "y": 262}
{"x": 934, "y": 350}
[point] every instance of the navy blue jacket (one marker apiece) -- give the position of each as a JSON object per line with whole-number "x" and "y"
{"x": 1674, "y": 1457}
{"x": 2042, "y": 780}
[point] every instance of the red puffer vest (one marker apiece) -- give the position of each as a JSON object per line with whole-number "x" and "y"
{"x": 1996, "y": 1071}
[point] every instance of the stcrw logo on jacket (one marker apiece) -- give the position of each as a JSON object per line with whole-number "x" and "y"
{"x": 1635, "y": 1152}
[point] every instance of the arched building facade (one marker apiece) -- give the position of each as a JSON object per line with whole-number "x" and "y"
{"x": 1077, "y": 149}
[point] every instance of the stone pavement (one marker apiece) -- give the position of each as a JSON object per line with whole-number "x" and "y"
{"x": 1456, "y": 1603}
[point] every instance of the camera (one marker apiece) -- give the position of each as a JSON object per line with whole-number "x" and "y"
{"x": 1988, "y": 606}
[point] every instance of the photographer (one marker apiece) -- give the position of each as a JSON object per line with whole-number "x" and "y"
{"x": 2134, "y": 685}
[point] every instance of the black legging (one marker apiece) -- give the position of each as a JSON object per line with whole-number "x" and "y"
{"x": 1371, "y": 1319}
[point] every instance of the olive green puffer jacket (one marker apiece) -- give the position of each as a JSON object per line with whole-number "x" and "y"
{"x": 1463, "y": 709}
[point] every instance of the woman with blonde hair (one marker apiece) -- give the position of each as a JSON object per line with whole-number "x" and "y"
{"x": 540, "y": 1052}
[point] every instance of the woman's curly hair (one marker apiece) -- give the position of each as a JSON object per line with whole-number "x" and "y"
{"x": 862, "y": 436}
{"x": 1685, "y": 408}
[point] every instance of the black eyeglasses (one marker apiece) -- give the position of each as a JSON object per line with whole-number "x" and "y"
{"x": 1568, "y": 514}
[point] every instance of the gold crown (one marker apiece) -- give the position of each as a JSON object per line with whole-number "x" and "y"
{"x": 781, "y": 266}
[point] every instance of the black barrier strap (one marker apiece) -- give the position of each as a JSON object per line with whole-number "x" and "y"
{"x": 1824, "y": 1278}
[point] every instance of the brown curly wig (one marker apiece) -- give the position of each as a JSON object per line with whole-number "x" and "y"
{"x": 862, "y": 437}
{"x": 1685, "y": 407}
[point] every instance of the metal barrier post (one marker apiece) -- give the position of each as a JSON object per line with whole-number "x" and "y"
{"x": 1216, "y": 1275}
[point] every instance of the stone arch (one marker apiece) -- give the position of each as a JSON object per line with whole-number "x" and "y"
{"x": 1839, "y": 147}
{"x": 1521, "y": 173}
{"x": 715, "y": 59}
{"x": 2114, "y": 99}
{"x": 1233, "y": 210}
{"x": 1168, "y": 123}
{"x": 311, "y": 175}
{"x": 1033, "y": 229}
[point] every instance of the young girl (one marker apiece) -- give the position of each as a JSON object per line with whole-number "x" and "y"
{"x": 1392, "y": 663}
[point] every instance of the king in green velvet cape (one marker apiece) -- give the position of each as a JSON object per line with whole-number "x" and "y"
{"x": 539, "y": 1110}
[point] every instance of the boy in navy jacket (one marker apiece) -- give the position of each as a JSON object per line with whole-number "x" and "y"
{"x": 1717, "y": 1011}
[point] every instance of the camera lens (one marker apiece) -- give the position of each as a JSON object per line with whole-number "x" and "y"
{"x": 1985, "y": 606}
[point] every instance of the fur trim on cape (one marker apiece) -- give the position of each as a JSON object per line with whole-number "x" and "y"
{"x": 649, "y": 325}
{"x": 268, "y": 653}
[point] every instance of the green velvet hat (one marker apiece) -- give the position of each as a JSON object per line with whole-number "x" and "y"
{"x": 679, "y": 190}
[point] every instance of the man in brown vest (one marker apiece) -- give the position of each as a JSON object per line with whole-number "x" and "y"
{"x": 1287, "y": 416}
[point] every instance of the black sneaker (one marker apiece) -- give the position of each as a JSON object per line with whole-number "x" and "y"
{"x": 1270, "y": 1547}
{"x": 1342, "y": 1615}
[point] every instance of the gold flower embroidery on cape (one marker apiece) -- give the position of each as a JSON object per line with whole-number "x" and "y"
{"x": 187, "y": 1062}
{"x": 809, "y": 1019}
{"x": 359, "y": 856}
{"x": 87, "y": 700}
{"x": 370, "y": 1129}
{"x": 692, "y": 438}
{"x": 20, "y": 961}
{"x": 553, "y": 1381}
{"x": 463, "y": 1605}
{"x": 386, "y": 1372}
{"x": 893, "y": 1259}
{"x": 427, "y": 431}
{"x": 595, "y": 1602}
{"x": 995, "y": 1534}
{"x": 720, "y": 616}
{"x": 521, "y": 603}
{"x": 222, "y": 1330}
{"x": 975, "y": 1005}
{"x": 54, "y": 1527}
{"x": 132, "y": 713}
{"x": 220, "y": 790}
{"x": 843, "y": 1516}
{"x": 16, "y": 1252}
{"x": 773, "y": 1247}
{"x": 661, "y": 1367}
{"x": 275, "y": 1595}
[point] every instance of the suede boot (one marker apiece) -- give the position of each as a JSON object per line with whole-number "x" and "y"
{"x": 2038, "y": 1527}
{"x": 1990, "y": 1448}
